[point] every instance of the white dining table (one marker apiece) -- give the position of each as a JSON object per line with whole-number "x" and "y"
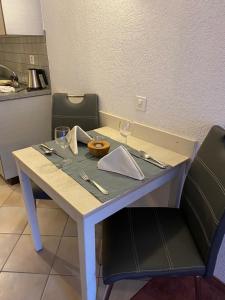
{"x": 81, "y": 205}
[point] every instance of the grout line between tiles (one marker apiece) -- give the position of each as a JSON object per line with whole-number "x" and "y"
{"x": 61, "y": 236}
{"x": 7, "y": 198}
{"x": 20, "y": 272}
{"x": 9, "y": 233}
{"x": 54, "y": 235}
{"x": 98, "y": 279}
{"x": 10, "y": 252}
{"x": 44, "y": 287}
{"x": 65, "y": 227}
{"x": 53, "y": 261}
{"x": 50, "y": 208}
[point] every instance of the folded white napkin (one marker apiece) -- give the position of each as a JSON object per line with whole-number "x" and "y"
{"x": 120, "y": 161}
{"x": 6, "y": 89}
{"x": 78, "y": 135}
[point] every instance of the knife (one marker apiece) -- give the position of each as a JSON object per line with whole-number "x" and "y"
{"x": 161, "y": 166}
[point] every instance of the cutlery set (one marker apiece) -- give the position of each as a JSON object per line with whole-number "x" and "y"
{"x": 141, "y": 154}
{"x": 83, "y": 175}
{"x": 49, "y": 151}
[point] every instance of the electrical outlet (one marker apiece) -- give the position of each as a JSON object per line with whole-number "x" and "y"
{"x": 31, "y": 58}
{"x": 141, "y": 103}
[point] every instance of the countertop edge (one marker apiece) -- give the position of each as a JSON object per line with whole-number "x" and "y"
{"x": 24, "y": 94}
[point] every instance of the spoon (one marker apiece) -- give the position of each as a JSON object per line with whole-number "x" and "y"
{"x": 46, "y": 152}
{"x": 46, "y": 147}
{"x": 49, "y": 151}
{"x": 147, "y": 157}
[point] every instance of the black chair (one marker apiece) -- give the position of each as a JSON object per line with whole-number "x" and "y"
{"x": 84, "y": 114}
{"x": 64, "y": 112}
{"x": 149, "y": 242}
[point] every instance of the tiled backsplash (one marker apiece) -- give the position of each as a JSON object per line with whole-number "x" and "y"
{"x": 15, "y": 52}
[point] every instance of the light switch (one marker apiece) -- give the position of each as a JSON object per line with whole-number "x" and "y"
{"x": 31, "y": 58}
{"x": 141, "y": 103}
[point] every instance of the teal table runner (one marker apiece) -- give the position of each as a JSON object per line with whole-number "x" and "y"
{"x": 116, "y": 184}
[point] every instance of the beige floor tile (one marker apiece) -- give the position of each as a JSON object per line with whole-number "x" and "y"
{"x": 122, "y": 290}
{"x": 15, "y": 198}
{"x": 24, "y": 258}
{"x": 13, "y": 186}
{"x": 71, "y": 228}
{"x": 5, "y": 191}
{"x": 51, "y": 221}
{"x": 1, "y": 180}
{"x": 7, "y": 243}
{"x": 20, "y": 286}
{"x": 12, "y": 219}
{"x": 67, "y": 258}
{"x": 62, "y": 288}
{"x": 41, "y": 203}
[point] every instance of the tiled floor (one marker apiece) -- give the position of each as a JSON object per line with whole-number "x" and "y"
{"x": 52, "y": 273}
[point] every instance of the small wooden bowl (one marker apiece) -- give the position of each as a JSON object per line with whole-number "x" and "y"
{"x": 98, "y": 148}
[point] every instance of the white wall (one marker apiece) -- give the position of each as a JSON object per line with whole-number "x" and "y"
{"x": 173, "y": 52}
{"x": 170, "y": 51}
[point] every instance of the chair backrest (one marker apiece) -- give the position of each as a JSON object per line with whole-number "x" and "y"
{"x": 203, "y": 197}
{"x": 84, "y": 114}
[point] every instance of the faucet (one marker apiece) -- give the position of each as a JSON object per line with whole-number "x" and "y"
{"x": 12, "y": 77}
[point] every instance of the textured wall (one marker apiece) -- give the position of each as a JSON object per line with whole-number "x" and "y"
{"x": 66, "y": 34}
{"x": 173, "y": 52}
{"x": 170, "y": 51}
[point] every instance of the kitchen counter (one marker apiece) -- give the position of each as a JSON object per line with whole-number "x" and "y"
{"x": 23, "y": 94}
{"x": 24, "y": 122}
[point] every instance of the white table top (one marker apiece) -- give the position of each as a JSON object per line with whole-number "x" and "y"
{"x": 64, "y": 189}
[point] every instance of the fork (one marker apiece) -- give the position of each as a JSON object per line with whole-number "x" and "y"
{"x": 85, "y": 177}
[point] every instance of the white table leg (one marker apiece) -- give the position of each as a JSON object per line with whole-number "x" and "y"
{"x": 30, "y": 208}
{"x": 86, "y": 238}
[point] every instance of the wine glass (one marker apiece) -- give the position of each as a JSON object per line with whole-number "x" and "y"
{"x": 63, "y": 139}
{"x": 125, "y": 129}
